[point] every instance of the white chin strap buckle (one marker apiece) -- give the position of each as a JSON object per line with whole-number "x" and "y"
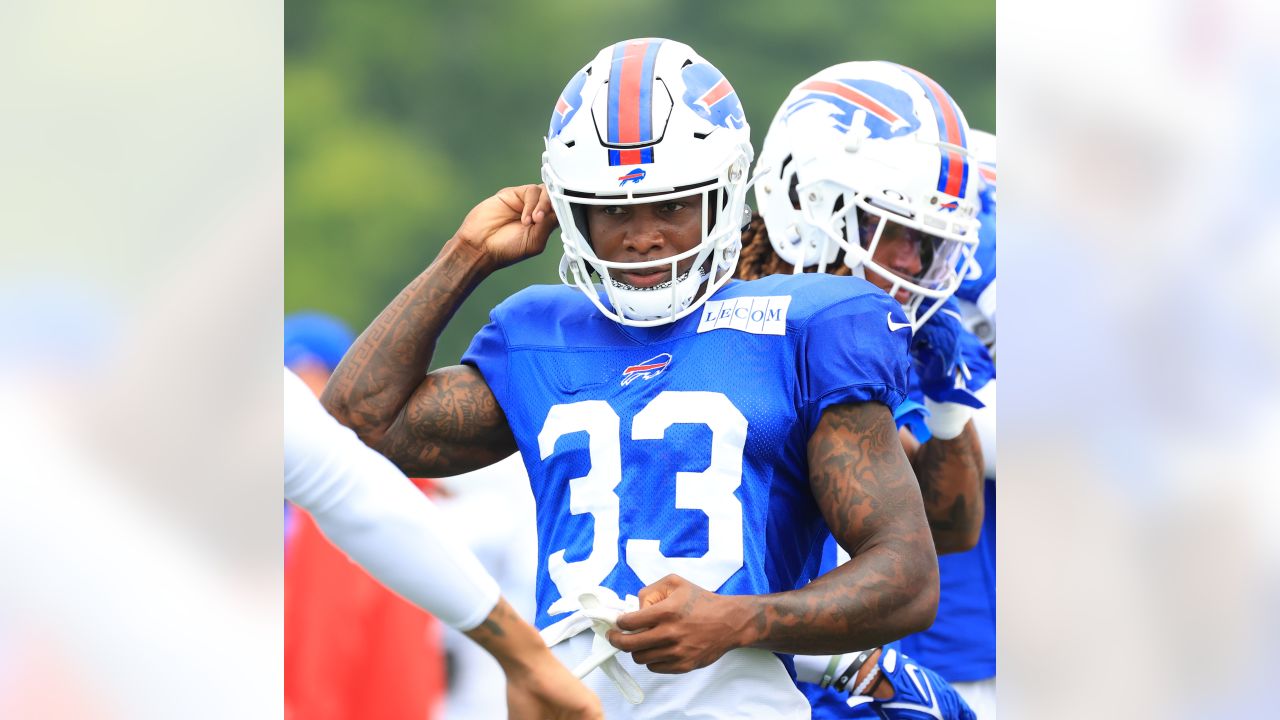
{"x": 603, "y": 655}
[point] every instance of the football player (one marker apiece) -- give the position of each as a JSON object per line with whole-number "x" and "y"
{"x": 882, "y": 683}
{"x": 375, "y": 514}
{"x": 961, "y": 644}
{"x": 689, "y": 440}
{"x": 865, "y": 170}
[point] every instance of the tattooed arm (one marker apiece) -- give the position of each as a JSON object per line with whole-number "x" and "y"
{"x": 951, "y": 476}
{"x": 446, "y": 422}
{"x": 871, "y": 501}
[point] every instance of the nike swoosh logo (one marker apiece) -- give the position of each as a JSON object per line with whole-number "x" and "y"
{"x": 893, "y": 326}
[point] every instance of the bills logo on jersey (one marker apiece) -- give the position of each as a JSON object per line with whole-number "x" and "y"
{"x": 568, "y": 104}
{"x": 711, "y": 96}
{"x": 646, "y": 370}
{"x": 886, "y": 111}
{"x": 635, "y": 176}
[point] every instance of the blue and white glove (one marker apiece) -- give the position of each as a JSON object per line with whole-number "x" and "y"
{"x": 951, "y": 364}
{"x": 938, "y": 358}
{"x": 918, "y": 692}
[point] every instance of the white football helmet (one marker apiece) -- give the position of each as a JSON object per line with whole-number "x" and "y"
{"x": 980, "y": 313}
{"x": 878, "y": 142}
{"x": 649, "y": 120}
{"x": 982, "y": 149}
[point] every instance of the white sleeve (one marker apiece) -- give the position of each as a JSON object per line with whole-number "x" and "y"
{"x": 984, "y": 421}
{"x": 370, "y": 510}
{"x": 987, "y": 302}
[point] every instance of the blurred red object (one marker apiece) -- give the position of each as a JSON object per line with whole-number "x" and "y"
{"x": 352, "y": 648}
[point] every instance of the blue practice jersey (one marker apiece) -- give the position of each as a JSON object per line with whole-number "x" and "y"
{"x": 961, "y": 644}
{"x": 985, "y": 254}
{"x": 682, "y": 448}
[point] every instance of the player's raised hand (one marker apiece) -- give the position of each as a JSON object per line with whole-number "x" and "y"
{"x": 509, "y": 226}
{"x": 679, "y": 627}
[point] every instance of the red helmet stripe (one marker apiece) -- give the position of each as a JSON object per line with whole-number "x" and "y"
{"x": 860, "y": 99}
{"x": 629, "y": 94}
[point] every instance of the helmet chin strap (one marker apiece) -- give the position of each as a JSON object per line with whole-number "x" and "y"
{"x": 699, "y": 276}
{"x": 665, "y": 285}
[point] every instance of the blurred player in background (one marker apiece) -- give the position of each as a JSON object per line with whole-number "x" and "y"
{"x": 977, "y": 293}
{"x": 371, "y": 511}
{"x": 857, "y": 176}
{"x": 685, "y": 436}
{"x": 865, "y": 171}
{"x": 352, "y": 649}
{"x": 961, "y": 644}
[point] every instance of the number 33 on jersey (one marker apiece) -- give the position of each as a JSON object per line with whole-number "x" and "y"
{"x": 682, "y": 448}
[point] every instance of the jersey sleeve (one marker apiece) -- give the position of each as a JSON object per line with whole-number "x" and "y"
{"x": 488, "y": 354}
{"x": 851, "y": 354}
{"x": 911, "y": 415}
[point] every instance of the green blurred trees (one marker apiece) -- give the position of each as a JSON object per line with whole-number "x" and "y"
{"x": 400, "y": 116}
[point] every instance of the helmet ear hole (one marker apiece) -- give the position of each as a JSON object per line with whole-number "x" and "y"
{"x": 857, "y": 216}
{"x": 580, "y": 219}
{"x": 793, "y": 191}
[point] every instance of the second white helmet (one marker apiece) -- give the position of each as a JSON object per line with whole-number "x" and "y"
{"x": 862, "y": 147}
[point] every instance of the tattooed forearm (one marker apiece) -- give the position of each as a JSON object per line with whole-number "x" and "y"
{"x": 509, "y": 639}
{"x": 428, "y": 425}
{"x": 491, "y": 629}
{"x": 951, "y": 477}
{"x": 865, "y": 488}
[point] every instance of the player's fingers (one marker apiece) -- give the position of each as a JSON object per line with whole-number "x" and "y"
{"x": 655, "y": 593}
{"x": 543, "y": 207}
{"x": 669, "y": 668}
{"x": 655, "y": 656}
{"x": 529, "y": 194}
{"x": 643, "y": 618}
{"x": 544, "y": 221}
{"x": 644, "y": 640}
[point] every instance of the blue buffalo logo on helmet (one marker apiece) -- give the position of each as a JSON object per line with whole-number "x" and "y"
{"x": 886, "y": 111}
{"x": 711, "y": 96}
{"x": 567, "y": 105}
{"x": 646, "y": 370}
{"x": 635, "y": 176}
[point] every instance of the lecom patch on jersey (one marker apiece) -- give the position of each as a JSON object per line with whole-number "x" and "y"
{"x": 755, "y": 315}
